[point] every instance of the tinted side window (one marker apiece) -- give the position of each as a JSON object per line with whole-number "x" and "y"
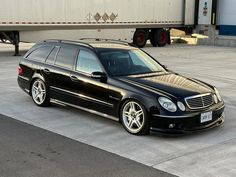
{"x": 41, "y": 53}
{"x": 66, "y": 57}
{"x": 87, "y": 62}
{"x": 52, "y": 55}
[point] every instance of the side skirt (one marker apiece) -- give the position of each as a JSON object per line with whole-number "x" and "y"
{"x": 84, "y": 109}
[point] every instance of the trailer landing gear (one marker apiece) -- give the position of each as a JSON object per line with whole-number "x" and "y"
{"x": 11, "y": 37}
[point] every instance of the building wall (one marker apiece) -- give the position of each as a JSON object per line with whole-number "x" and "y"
{"x": 227, "y": 17}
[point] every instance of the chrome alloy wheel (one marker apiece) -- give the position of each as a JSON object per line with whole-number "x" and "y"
{"x": 133, "y": 117}
{"x": 38, "y": 92}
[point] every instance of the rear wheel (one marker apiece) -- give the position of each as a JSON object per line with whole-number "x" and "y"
{"x": 134, "y": 118}
{"x": 140, "y": 38}
{"x": 40, "y": 94}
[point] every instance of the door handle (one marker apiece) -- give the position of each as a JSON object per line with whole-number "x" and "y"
{"x": 46, "y": 70}
{"x": 74, "y": 78}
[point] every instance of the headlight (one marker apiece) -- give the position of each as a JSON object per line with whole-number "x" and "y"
{"x": 167, "y": 104}
{"x": 218, "y": 95}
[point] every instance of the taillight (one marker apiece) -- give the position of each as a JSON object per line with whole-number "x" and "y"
{"x": 20, "y": 71}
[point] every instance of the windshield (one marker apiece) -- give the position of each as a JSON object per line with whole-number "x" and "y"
{"x": 129, "y": 62}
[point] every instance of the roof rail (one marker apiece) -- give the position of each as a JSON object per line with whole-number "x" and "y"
{"x": 68, "y": 41}
{"x": 108, "y": 40}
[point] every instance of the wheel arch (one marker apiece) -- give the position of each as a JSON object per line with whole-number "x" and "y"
{"x": 147, "y": 102}
{"x": 34, "y": 77}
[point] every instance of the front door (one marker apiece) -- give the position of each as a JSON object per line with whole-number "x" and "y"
{"x": 92, "y": 92}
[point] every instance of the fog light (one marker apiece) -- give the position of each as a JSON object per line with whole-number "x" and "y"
{"x": 171, "y": 125}
{"x": 181, "y": 106}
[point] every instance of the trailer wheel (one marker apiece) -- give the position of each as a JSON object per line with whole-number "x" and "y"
{"x": 153, "y": 37}
{"x": 158, "y": 37}
{"x": 162, "y": 37}
{"x": 140, "y": 38}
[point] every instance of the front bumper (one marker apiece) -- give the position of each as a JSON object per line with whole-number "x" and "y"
{"x": 186, "y": 123}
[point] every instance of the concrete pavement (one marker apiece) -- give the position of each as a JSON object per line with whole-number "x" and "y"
{"x": 209, "y": 153}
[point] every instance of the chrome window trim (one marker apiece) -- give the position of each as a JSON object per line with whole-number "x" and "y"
{"x": 197, "y": 96}
{"x": 84, "y": 109}
{"x": 83, "y": 96}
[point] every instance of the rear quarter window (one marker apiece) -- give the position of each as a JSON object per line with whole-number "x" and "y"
{"x": 40, "y": 54}
{"x": 66, "y": 57}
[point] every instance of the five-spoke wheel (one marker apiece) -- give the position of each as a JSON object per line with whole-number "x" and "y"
{"x": 39, "y": 93}
{"x": 134, "y": 118}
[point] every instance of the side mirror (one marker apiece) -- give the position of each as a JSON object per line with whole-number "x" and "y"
{"x": 99, "y": 76}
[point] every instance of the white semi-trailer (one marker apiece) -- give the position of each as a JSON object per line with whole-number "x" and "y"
{"x": 139, "y": 20}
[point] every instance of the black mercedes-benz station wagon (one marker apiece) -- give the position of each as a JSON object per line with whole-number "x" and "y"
{"x": 119, "y": 81}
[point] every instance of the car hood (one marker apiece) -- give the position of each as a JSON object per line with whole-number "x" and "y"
{"x": 170, "y": 84}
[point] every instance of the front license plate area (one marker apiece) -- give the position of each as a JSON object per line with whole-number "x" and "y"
{"x": 206, "y": 117}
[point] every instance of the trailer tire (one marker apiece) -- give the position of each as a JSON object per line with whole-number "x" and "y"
{"x": 158, "y": 37}
{"x": 162, "y": 37}
{"x": 140, "y": 38}
{"x": 153, "y": 37}
{"x": 168, "y": 39}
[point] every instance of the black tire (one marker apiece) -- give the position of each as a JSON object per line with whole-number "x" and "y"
{"x": 168, "y": 39}
{"x": 153, "y": 37}
{"x": 159, "y": 37}
{"x": 40, "y": 93}
{"x": 162, "y": 37}
{"x": 143, "y": 119}
{"x": 140, "y": 38}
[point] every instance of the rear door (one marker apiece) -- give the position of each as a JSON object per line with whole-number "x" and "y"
{"x": 48, "y": 67}
{"x": 58, "y": 72}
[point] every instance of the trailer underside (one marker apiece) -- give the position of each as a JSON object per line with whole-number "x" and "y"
{"x": 11, "y": 37}
{"x": 158, "y": 34}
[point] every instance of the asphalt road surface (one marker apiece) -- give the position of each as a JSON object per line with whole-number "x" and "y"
{"x": 28, "y": 151}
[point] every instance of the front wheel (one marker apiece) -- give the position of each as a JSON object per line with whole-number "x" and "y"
{"x": 39, "y": 93}
{"x": 134, "y": 118}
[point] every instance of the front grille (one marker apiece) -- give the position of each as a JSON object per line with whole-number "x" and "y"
{"x": 199, "y": 101}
